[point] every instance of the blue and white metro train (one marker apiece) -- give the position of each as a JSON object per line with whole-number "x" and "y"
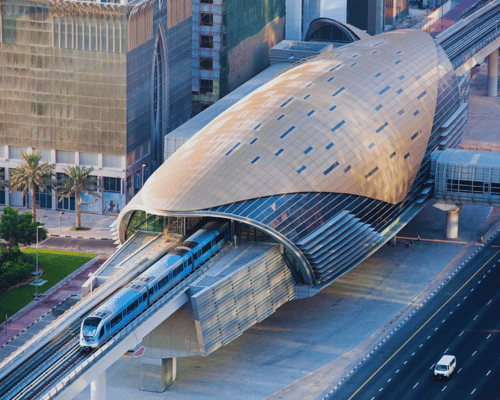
{"x": 129, "y": 301}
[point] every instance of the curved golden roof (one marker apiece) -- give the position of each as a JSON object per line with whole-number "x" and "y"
{"x": 356, "y": 121}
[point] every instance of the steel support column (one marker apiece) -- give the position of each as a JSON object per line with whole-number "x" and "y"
{"x": 493, "y": 74}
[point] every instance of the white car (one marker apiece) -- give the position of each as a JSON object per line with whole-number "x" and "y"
{"x": 445, "y": 367}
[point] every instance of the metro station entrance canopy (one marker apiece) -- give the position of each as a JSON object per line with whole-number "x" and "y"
{"x": 330, "y": 158}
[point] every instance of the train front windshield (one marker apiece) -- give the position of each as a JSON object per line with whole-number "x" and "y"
{"x": 90, "y": 327}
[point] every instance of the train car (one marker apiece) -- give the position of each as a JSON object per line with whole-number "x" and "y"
{"x": 132, "y": 299}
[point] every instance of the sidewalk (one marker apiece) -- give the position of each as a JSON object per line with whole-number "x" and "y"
{"x": 23, "y": 325}
{"x": 59, "y": 225}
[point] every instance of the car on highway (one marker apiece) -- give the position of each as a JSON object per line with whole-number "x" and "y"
{"x": 445, "y": 367}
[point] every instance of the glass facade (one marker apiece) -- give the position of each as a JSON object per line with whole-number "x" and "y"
{"x": 77, "y": 77}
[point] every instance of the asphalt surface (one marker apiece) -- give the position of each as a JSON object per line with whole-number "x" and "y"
{"x": 461, "y": 320}
{"x": 101, "y": 247}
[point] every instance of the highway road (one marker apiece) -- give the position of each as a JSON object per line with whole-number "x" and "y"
{"x": 461, "y": 319}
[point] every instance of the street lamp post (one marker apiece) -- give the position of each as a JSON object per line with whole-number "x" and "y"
{"x": 142, "y": 173}
{"x": 36, "y": 272}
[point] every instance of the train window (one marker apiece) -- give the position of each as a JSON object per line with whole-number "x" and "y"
{"x": 195, "y": 256}
{"x": 189, "y": 261}
{"x": 178, "y": 270}
{"x": 151, "y": 291}
{"x": 133, "y": 306}
{"x": 108, "y": 325}
{"x": 206, "y": 248}
{"x": 116, "y": 320}
{"x": 220, "y": 236}
{"x": 101, "y": 334}
{"x": 144, "y": 296}
{"x": 170, "y": 275}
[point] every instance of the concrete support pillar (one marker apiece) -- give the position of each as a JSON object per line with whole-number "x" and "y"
{"x": 98, "y": 388}
{"x": 157, "y": 374}
{"x": 452, "y": 210}
{"x": 493, "y": 74}
{"x": 452, "y": 223}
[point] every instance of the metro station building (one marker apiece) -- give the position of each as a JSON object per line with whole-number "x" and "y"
{"x": 330, "y": 159}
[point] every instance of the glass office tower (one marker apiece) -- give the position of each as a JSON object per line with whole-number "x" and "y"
{"x": 91, "y": 83}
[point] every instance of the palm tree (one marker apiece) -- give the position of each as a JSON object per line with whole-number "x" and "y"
{"x": 77, "y": 180}
{"x": 30, "y": 176}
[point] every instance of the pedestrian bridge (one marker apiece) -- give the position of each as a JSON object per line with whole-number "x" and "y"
{"x": 467, "y": 177}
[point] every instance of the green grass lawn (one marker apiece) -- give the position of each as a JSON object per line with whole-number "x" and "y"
{"x": 55, "y": 264}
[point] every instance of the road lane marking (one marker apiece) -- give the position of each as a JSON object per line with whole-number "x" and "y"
{"x": 473, "y": 354}
{"x": 428, "y": 337}
{"x": 397, "y": 371}
{"x": 465, "y": 297}
{"x": 459, "y": 370}
{"x": 489, "y": 302}
{"x": 488, "y": 336}
{"x": 461, "y": 334}
{"x": 413, "y": 354}
{"x": 475, "y": 317}
{"x": 458, "y": 305}
{"x": 444, "y": 388}
{"x": 432, "y": 366}
{"x": 443, "y": 320}
{"x": 488, "y": 372}
{"x": 472, "y": 290}
{"x": 421, "y": 345}
{"x": 473, "y": 391}
{"x": 447, "y": 349}
{"x": 405, "y": 362}
{"x": 381, "y": 389}
{"x": 416, "y": 384}
{"x": 421, "y": 327}
{"x": 390, "y": 379}
{"x": 479, "y": 282}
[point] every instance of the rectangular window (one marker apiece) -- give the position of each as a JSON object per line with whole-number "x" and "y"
{"x": 254, "y": 140}
{"x": 207, "y": 1}
{"x": 206, "y": 41}
{"x": 15, "y": 152}
{"x": 255, "y": 160}
{"x": 132, "y": 306}
{"x": 109, "y": 161}
{"x": 206, "y": 86}
{"x": 338, "y": 125}
{"x": 66, "y": 157}
{"x": 347, "y": 169}
{"x": 232, "y": 148}
{"x": 206, "y": 248}
{"x": 280, "y": 117}
{"x": 329, "y": 146}
{"x": 384, "y": 90}
{"x": 308, "y": 150}
{"x": 381, "y": 127}
{"x": 286, "y": 102}
{"x": 278, "y": 152}
{"x": 371, "y": 172}
{"x": 333, "y": 108}
{"x": 89, "y": 159}
{"x": 422, "y": 94}
{"x": 287, "y": 132}
{"x": 338, "y": 91}
{"x": 331, "y": 167}
{"x": 112, "y": 184}
{"x": 116, "y": 320}
{"x": 206, "y": 19}
{"x": 310, "y": 113}
{"x": 206, "y": 63}
{"x": 301, "y": 169}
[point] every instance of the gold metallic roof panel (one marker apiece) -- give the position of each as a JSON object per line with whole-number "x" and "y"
{"x": 354, "y": 121}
